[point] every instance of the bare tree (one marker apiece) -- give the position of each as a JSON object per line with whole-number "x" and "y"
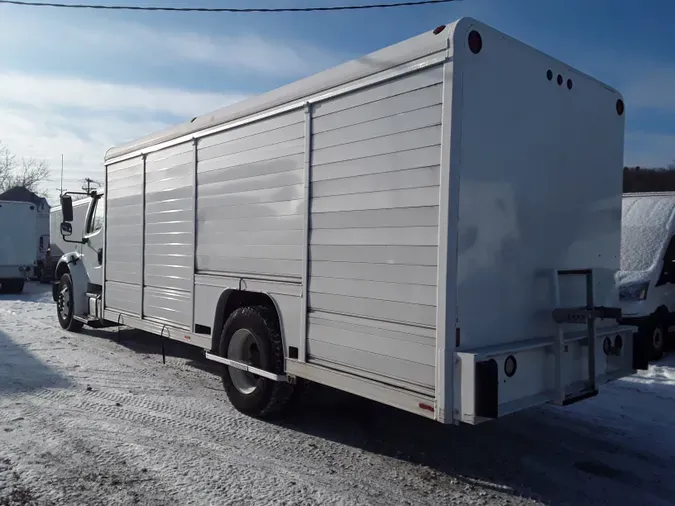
{"x": 27, "y": 173}
{"x": 8, "y": 164}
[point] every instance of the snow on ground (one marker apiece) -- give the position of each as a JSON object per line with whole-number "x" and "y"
{"x": 96, "y": 418}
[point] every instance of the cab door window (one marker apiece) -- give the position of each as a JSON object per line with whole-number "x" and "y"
{"x": 96, "y": 221}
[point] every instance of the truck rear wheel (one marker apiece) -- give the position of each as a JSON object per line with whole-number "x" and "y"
{"x": 65, "y": 305}
{"x": 658, "y": 332}
{"x": 12, "y": 285}
{"x": 17, "y": 285}
{"x": 251, "y": 335}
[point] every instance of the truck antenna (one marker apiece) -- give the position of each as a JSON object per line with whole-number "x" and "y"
{"x": 61, "y": 174}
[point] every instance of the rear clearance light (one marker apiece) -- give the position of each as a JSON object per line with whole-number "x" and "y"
{"x": 426, "y": 407}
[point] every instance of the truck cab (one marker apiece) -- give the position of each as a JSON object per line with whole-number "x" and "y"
{"x": 79, "y": 272}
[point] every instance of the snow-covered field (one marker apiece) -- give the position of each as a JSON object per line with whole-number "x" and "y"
{"x": 96, "y": 418}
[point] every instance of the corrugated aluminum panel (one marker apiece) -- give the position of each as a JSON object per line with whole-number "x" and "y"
{"x": 124, "y": 235}
{"x": 169, "y": 228}
{"x": 374, "y": 230}
{"x": 250, "y": 191}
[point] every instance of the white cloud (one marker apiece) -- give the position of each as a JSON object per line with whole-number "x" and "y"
{"x": 55, "y": 92}
{"x": 241, "y": 53}
{"x": 104, "y": 39}
{"x": 44, "y": 117}
{"x": 83, "y": 141}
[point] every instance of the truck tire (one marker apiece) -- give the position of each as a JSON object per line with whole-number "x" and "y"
{"x": 12, "y": 285}
{"x": 37, "y": 272}
{"x": 16, "y": 286}
{"x": 251, "y": 335}
{"x": 657, "y": 338}
{"x": 65, "y": 305}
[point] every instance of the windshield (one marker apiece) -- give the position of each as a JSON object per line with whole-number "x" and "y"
{"x": 640, "y": 247}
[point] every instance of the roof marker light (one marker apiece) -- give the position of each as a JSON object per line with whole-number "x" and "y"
{"x": 475, "y": 42}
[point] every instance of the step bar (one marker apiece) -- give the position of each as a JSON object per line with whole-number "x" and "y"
{"x": 245, "y": 367}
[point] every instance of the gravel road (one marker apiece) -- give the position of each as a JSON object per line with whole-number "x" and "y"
{"x": 96, "y": 418}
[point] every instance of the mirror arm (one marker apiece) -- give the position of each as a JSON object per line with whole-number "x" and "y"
{"x": 83, "y": 241}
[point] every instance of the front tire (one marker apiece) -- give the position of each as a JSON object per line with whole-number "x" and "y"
{"x": 251, "y": 335}
{"x": 65, "y": 305}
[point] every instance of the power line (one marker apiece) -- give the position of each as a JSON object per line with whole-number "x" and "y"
{"x": 411, "y": 3}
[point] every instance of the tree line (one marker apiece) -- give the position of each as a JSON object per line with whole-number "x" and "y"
{"x": 638, "y": 179}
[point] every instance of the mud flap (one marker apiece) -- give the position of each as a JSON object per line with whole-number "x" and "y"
{"x": 487, "y": 389}
{"x": 641, "y": 350}
{"x": 572, "y": 399}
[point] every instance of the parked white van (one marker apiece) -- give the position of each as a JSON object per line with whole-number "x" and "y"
{"x": 647, "y": 276}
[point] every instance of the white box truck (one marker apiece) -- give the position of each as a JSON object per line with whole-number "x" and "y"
{"x": 18, "y": 244}
{"x": 647, "y": 276}
{"x": 435, "y": 226}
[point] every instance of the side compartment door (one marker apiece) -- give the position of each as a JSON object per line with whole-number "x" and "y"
{"x": 92, "y": 250}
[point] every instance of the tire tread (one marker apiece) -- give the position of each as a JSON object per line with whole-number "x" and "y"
{"x": 281, "y": 392}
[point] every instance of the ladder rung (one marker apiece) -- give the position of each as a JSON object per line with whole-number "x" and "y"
{"x": 584, "y": 315}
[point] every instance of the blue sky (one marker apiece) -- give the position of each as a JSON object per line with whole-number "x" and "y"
{"x": 78, "y": 82}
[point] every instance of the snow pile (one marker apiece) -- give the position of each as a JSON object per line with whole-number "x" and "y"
{"x": 95, "y": 418}
{"x": 645, "y": 227}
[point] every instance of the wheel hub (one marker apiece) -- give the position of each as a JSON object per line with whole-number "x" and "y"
{"x": 657, "y": 338}
{"x": 243, "y": 347}
{"x": 63, "y": 305}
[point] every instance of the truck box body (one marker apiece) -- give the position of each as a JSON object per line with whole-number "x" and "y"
{"x": 18, "y": 239}
{"x": 407, "y": 212}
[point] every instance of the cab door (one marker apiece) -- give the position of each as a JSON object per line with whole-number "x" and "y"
{"x": 92, "y": 249}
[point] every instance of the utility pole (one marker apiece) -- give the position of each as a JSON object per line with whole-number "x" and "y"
{"x": 88, "y": 182}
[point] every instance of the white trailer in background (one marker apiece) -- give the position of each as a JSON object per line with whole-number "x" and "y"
{"x": 18, "y": 244}
{"x": 435, "y": 226}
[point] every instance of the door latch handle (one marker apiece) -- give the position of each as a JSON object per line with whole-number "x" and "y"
{"x": 100, "y": 256}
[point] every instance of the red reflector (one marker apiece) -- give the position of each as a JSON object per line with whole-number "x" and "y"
{"x": 475, "y": 42}
{"x": 426, "y": 407}
{"x": 439, "y": 29}
{"x": 457, "y": 337}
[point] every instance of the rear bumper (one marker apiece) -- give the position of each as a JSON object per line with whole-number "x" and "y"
{"x": 15, "y": 271}
{"x": 488, "y": 387}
